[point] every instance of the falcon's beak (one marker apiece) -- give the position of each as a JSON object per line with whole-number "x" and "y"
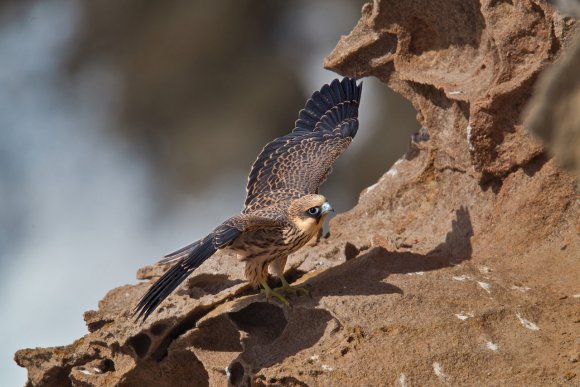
{"x": 326, "y": 208}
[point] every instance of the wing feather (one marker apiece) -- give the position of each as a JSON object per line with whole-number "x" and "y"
{"x": 300, "y": 161}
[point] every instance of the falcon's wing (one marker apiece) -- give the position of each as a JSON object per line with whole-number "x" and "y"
{"x": 189, "y": 258}
{"x": 300, "y": 161}
{"x": 229, "y": 230}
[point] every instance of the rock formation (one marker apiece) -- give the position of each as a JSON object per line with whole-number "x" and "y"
{"x": 460, "y": 266}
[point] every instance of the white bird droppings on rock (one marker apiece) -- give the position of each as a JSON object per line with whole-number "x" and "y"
{"x": 469, "y": 144}
{"x": 491, "y": 346}
{"x": 463, "y": 316}
{"x": 439, "y": 371}
{"x": 326, "y": 368}
{"x": 527, "y": 323}
{"x": 369, "y": 189}
{"x": 485, "y": 286}
{"x": 522, "y": 289}
{"x": 484, "y": 270}
{"x": 393, "y": 170}
{"x": 403, "y": 380}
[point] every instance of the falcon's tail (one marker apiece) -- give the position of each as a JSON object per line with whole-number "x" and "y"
{"x": 181, "y": 253}
{"x": 187, "y": 260}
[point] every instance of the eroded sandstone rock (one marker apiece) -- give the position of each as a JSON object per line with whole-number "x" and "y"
{"x": 459, "y": 266}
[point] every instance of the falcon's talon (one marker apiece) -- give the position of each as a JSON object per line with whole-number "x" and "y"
{"x": 296, "y": 290}
{"x": 287, "y": 288}
{"x": 268, "y": 291}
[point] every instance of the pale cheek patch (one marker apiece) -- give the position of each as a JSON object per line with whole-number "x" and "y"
{"x": 307, "y": 226}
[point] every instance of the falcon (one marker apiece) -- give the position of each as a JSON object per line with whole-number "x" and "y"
{"x": 283, "y": 208}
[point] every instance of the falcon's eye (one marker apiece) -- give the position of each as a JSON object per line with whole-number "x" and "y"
{"x": 314, "y": 210}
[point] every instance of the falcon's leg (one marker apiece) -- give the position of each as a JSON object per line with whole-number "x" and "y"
{"x": 268, "y": 291}
{"x": 286, "y": 287}
{"x": 277, "y": 267}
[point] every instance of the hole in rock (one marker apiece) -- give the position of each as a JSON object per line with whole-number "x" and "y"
{"x": 140, "y": 344}
{"x": 423, "y": 37}
{"x": 158, "y": 329}
{"x": 187, "y": 323}
{"x": 235, "y": 373}
{"x": 107, "y": 365}
{"x": 262, "y": 321}
{"x": 181, "y": 368}
{"x": 293, "y": 274}
{"x": 350, "y": 251}
{"x": 217, "y": 334}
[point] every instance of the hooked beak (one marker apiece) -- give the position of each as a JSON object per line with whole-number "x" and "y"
{"x": 326, "y": 208}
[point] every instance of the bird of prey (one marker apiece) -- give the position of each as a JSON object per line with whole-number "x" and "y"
{"x": 283, "y": 209}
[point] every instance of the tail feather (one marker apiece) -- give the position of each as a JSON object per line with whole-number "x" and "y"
{"x": 186, "y": 260}
{"x": 198, "y": 252}
{"x": 181, "y": 253}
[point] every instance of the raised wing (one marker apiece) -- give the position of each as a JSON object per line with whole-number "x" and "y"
{"x": 298, "y": 163}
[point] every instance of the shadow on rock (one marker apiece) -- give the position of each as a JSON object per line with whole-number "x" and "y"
{"x": 272, "y": 335}
{"x": 205, "y": 283}
{"x": 365, "y": 274}
{"x": 302, "y": 328}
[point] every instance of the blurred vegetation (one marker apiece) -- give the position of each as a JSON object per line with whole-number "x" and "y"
{"x": 206, "y": 84}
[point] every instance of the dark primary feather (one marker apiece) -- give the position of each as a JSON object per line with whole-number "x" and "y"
{"x": 301, "y": 160}
{"x": 181, "y": 253}
{"x": 327, "y": 108}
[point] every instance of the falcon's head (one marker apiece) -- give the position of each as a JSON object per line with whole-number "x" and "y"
{"x": 308, "y": 212}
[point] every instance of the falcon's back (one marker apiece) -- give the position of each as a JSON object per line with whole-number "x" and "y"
{"x": 298, "y": 163}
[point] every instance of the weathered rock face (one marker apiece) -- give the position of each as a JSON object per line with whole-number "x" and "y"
{"x": 479, "y": 58}
{"x": 459, "y": 266}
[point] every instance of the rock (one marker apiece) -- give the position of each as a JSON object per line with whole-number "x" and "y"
{"x": 448, "y": 270}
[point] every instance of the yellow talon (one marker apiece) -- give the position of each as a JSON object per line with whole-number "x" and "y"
{"x": 287, "y": 288}
{"x": 268, "y": 291}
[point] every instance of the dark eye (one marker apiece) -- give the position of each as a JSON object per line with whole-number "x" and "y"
{"x": 314, "y": 211}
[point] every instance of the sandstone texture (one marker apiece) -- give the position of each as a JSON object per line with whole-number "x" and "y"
{"x": 460, "y": 266}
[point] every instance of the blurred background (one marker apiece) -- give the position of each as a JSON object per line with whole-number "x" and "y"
{"x": 128, "y": 129}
